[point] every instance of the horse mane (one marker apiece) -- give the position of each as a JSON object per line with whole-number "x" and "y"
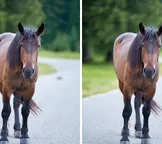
{"x": 134, "y": 55}
{"x": 14, "y": 51}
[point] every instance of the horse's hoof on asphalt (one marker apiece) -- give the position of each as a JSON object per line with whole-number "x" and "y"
{"x": 4, "y": 142}
{"x": 17, "y": 134}
{"x": 124, "y": 142}
{"x": 145, "y": 141}
{"x": 138, "y": 134}
{"x": 24, "y": 141}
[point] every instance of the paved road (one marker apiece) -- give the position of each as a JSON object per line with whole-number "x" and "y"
{"x": 102, "y": 119}
{"x": 59, "y": 99}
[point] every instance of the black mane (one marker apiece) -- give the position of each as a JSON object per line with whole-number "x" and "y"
{"x": 134, "y": 56}
{"x": 13, "y": 55}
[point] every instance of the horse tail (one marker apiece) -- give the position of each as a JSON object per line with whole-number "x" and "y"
{"x": 156, "y": 109}
{"x": 35, "y": 109}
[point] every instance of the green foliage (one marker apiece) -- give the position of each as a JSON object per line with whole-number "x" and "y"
{"x": 62, "y": 16}
{"x": 28, "y": 12}
{"x": 104, "y": 20}
{"x": 61, "y": 19}
{"x": 74, "y": 40}
{"x": 60, "y": 43}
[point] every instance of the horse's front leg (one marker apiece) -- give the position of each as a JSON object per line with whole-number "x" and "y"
{"x": 126, "y": 115}
{"x": 25, "y": 113}
{"x": 146, "y": 111}
{"x": 16, "y": 105}
{"x": 6, "y": 110}
{"x": 137, "y": 105}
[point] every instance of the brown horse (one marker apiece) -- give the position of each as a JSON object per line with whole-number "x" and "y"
{"x": 18, "y": 75}
{"x": 136, "y": 66}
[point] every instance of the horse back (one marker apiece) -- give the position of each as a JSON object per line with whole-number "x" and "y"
{"x": 5, "y": 40}
{"x": 120, "y": 53}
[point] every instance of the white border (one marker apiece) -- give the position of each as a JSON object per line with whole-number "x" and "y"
{"x": 81, "y": 72}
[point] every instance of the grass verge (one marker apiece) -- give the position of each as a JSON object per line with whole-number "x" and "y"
{"x": 99, "y": 78}
{"x": 64, "y": 54}
{"x": 45, "y": 69}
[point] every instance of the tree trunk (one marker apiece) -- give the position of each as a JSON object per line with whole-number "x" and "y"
{"x": 86, "y": 57}
{"x": 109, "y": 56}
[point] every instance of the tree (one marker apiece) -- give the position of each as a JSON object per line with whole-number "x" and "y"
{"x": 104, "y": 20}
{"x": 28, "y": 12}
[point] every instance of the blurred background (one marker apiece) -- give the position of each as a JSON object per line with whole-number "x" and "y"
{"x": 103, "y": 22}
{"x": 58, "y": 86}
{"x": 61, "y": 19}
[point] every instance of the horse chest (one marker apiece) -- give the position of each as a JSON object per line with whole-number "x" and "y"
{"x": 143, "y": 84}
{"x": 21, "y": 85}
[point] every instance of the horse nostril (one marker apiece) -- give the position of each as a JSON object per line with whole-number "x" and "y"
{"x": 32, "y": 71}
{"x": 23, "y": 70}
{"x": 144, "y": 70}
{"x": 153, "y": 71}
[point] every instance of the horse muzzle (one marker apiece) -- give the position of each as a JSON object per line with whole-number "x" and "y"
{"x": 28, "y": 73}
{"x": 149, "y": 72}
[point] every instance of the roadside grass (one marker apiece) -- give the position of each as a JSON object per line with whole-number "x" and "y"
{"x": 64, "y": 54}
{"x": 45, "y": 69}
{"x": 100, "y": 78}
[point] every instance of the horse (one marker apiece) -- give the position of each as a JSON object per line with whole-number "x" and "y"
{"x": 18, "y": 76}
{"x": 135, "y": 58}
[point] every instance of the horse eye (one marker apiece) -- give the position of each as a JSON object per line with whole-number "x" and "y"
{"x": 38, "y": 46}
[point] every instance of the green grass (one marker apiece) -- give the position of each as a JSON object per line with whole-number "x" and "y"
{"x": 66, "y": 54}
{"x": 99, "y": 78}
{"x": 45, "y": 69}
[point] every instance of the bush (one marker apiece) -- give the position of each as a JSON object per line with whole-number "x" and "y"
{"x": 60, "y": 43}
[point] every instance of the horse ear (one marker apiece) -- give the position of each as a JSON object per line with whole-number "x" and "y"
{"x": 40, "y": 30}
{"x": 159, "y": 31}
{"x": 21, "y": 28}
{"x": 142, "y": 28}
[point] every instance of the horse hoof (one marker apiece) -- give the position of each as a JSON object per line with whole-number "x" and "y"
{"x": 145, "y": 141}
{"x": 4, "y": 142}
{"x": 24, "y": 141}
{"x": 124, "y": 142}
{"x": 138, "y": 134}
{"x": 17, "y": 134}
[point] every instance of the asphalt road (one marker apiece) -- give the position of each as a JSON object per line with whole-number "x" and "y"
{"x": 102, "y": 119}
{"x": 58, "y": 95}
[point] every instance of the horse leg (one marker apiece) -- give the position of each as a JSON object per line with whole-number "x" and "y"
{"x": 6, "y": 111}
{"x": 16, "y": 105}
{"x": 137, "y": 105}
{"x": 126, "y": 115}
{"x": 24, "y": 130}
{"x": 5, "y": 115}
{"x": 146, "y": 113}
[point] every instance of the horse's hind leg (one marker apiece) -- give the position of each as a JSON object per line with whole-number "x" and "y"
{"x": 137, "y": 105}
{"x": 127, "y": 92}
{"x": 16, "y": 105}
